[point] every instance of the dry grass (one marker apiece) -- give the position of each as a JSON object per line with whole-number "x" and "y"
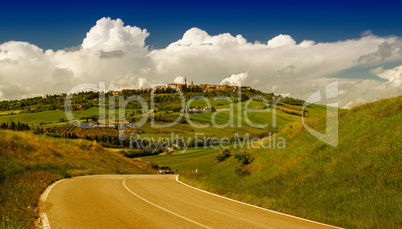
{"x": 29, "y": 163}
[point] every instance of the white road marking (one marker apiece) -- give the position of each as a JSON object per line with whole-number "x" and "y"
{"x": 280, "y": 213}
{"x": 44, "y": 221}
{"x": 162, "y": 208}
{"x": 44, "y": 195}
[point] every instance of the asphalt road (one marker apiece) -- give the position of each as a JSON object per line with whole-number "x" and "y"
{"x": 150, "y": 201}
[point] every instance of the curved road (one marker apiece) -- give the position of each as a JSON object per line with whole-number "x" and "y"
{"x": 150, "y": 201}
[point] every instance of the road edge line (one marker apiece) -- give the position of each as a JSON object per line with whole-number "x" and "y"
{"x": 160, "y": 207}
{"x": 43, "y": 220}
{"x": 251, "y": 205}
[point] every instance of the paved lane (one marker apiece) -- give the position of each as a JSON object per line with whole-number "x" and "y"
{"x": 151, "y": 201}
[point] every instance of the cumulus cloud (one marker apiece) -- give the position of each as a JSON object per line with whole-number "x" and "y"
{"x": 112, "y": 54}
{"x": 197, "y": 37}
{"x": 130, "y": 82}
{"x": 285, "y": 72}
{"x": 355, "y": 102}
{"x": 111, "y": 35}
{"x": 357, "y": 92}
{"x": 14, "y": 50}
{"x": 394, "y": 75}
{"x": 62, "y": 73}
{"x": 118, "y": 54}
{"x": 236, "y": 79}
{"x": 280, "y": 41}
{"x": 179, "y": 79}
{"x": 386, "y": 50}
{"x": 366, "y": 33}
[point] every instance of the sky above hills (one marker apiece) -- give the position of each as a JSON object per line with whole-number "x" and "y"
{"x": 285, "y": 47}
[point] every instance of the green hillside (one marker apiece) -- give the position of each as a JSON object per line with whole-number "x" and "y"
{"x": 354, "y": 185}
{"x": 189, "y": 160}
{"x": 53, "y": 122}
{"x": 29, "y": 163}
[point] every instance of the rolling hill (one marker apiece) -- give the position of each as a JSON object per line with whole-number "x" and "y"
{"x": 29, "y": 163}
{"x": 355, "y": 185}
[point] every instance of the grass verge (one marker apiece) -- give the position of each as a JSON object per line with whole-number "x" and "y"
{"x": 354, "y": 185}
{"x": 29, "y": 163}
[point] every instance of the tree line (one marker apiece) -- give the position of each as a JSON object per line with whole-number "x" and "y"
{"x": 19, "y": 126}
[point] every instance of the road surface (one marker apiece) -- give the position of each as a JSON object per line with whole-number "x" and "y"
{"x": 150, "y": 201}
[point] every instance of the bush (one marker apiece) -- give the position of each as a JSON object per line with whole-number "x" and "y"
{"x": 244, "y": 157}
{"x": 223, "y": 155}
{"x": 54, "y": 135}
{"x": 138, "y": 153}
{"x": 154, "y": 166}
{"x": 242, "y": 170}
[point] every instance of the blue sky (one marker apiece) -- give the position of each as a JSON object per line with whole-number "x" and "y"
{"x": 292, "y": 48}
{"x": 56, "y": 25}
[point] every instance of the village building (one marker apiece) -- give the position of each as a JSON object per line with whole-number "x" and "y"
{"x": 184, "y": 87}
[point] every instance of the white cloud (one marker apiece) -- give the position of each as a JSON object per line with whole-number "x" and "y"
{"x": 110, "y": 52}
{"x": 385, "y": 50}
{"x": 179, "y": 79}
{"x": 355, "y": 102}
{"x": 356, "y": 92}
{"x": 280, "y": 41}
{"x": 1, "y": 95}
{"x": 306, "y": 43}
{"x": 117, "y": 53}
{"x": 197, "y": 37}
{"x": 130, "y": 82}
{"x": 366, "y": 33}
{"x": 394, "y": 75}
{"x": 111, "y": 35}
{"x": 236, "y": 79}
{"x": 14, "y": 50}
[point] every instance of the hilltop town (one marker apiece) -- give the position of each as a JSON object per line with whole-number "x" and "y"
{"x": 184, "y": 87}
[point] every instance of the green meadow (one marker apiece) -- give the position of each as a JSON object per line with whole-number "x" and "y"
{"x": 228, "y": 120}
{"x": 354, "y": 185}
{"x": 201, "y": 160}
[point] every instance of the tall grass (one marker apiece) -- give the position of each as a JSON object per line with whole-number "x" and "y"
{"x": 355, "y": 185}
{"x": 29, "y": 163}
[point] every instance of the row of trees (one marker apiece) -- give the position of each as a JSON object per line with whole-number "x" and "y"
{"x": 19, "y": 126}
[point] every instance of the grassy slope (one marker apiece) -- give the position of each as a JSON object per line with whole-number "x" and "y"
{"x": 204, "y": 159}
{"x": 354, "y": 185}
{"x": 50, "y": 116}
{"x": 29, "y": 163}
{"x": 189, "y": 160}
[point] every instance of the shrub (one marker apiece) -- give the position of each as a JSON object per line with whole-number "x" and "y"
{"x": 54, "y": 135}
{"x": 242, "y": 170}
{"x": 244, "y": 157}
{"x": 154, "y": 166}
{"x": 223, "y": 155}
